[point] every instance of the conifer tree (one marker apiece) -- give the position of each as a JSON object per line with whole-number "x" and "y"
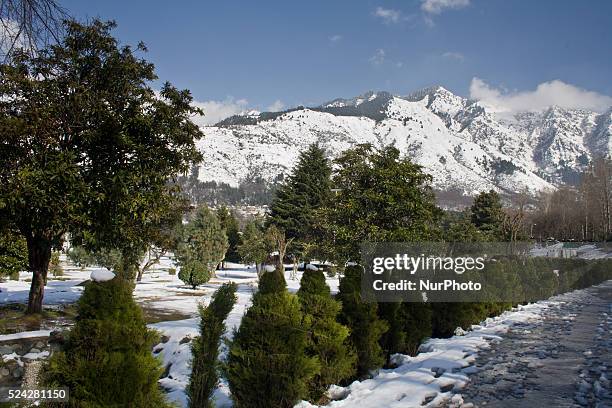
{"x": 362, "y": 320}
{"x": 487, "y": 214}
{"x": 202, "y": 248}
{"x": 271, "y": 283}
{"x": 459, "y": 228}
{"x": 253, "y": 247}
{"x": 328, "y": 340}
{"x": 205, "y": 348}
{"x": 267, "y": 365}
{"x": 229, "y": 223}
{"x": 381, "y": 197}
{"x": 417, "y": 321}
{"x": 394, "y": 340}
{"x": 297, "y": 200}
{"x": 107, "y": 360}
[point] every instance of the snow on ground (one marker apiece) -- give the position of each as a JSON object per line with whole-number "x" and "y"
{"x": 443, "y": 365}
{"x": 163, "y": 293}
{"x": 24, "y": 335}
{"x": 441, "y": 368}
{"x": 175, "y": 352}
{"x": 585, "y": 251}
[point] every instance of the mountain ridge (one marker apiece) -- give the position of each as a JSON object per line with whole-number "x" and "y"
{"x": 462, "y": 143}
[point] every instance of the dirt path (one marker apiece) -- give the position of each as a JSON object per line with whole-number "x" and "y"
{"x": 562, "y": 361}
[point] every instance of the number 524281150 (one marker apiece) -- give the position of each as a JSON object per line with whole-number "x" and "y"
{"x": 34, "y": 394}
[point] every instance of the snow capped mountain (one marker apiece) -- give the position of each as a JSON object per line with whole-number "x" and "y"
{"x": 464, "y": 145}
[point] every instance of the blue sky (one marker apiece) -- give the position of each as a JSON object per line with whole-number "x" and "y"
{"x": 270, "y": 53}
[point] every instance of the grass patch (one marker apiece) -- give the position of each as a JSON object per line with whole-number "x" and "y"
{"x": 14, "y": 319}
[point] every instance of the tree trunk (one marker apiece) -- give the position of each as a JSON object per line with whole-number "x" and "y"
{"x": 39, "y": 254}
{"x": 128, "y": 268}
{"x": 296, "y": 260}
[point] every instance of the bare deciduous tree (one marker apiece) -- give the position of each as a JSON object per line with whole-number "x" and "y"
{"x": 29, "y": 25}
{"x": 581, "y": 214}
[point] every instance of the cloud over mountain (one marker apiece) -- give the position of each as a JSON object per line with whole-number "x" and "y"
{"x": 549, "y": 93}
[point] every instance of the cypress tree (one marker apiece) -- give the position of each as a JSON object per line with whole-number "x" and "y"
{"x": 205, "y": 348}
{"x": 394, "y": 340}
{"x": 417, "y": 325}
{"x": 363, "y": 321}
{"x": 272, "y": 282}
{"x": 202, "y": 248}
{"x": 229, "y": 223}
{"x": 328, "y": 340}
{"x": 267, "y": 364}
{"x": 107, "y": 360}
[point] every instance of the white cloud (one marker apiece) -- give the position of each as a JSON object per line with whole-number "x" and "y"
{"x": 438, "y": 6}
{"x": 277, "y": 106}
{"x": 335, "y": 38}
{"x": 215, "y": 111}
{"x": 10, "y": 36}
{"x": 546, "y": 94}
{"x": 379, "y": 57}
{"x": 389, "y": 16}
{"x": 454, "y": 56}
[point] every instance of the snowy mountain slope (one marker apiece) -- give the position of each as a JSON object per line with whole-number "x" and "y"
{"x": 461, "y": 143}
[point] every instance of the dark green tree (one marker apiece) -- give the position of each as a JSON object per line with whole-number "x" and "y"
{"x": 165, "y": 235}
{"x": 328, "y": 340}
{"x": 13, "y": 253}
{"x": 487, "y": 214}
{"x": 296, "y": 201}
{"x": 271, "y": 283}
{"x": 254, "y": 247}
{"x": 54, "y": 264}
{"x": 394, "y": 340}
{"x": 205, "y": 348}
{"x": 107, "y": 360}
{"x": 89, "y": 146}
{"x": 381, "y": 197}
{"x": 202, "y": 247}
{"x": 194, "y": 273}
{"x": 83, "y": 257}
{"x": 267, "y": 365}
{"x": 458, "y": 227}
{"x": 229, "y": 223}
{"x": 417, "y": 325}
{"x": 361, "y": 317}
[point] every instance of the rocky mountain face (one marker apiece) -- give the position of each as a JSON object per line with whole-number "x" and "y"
{"x": 464, "y": 146}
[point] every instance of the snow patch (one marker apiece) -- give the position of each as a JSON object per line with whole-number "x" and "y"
{"x": 102, "y": 275}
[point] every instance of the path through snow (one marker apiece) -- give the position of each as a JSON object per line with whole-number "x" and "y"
{"x": 563, "y": 360}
